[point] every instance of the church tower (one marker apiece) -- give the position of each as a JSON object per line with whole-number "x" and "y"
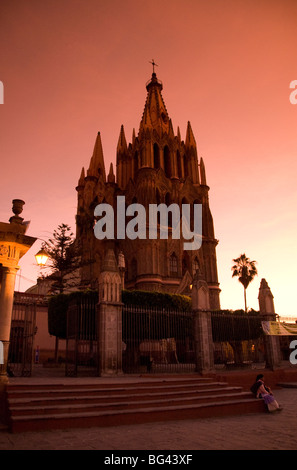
{"x": 156, "y": 167}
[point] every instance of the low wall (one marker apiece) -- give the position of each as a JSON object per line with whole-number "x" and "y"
{"x": 246, "y": 378}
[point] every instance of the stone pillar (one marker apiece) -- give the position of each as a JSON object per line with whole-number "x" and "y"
{"x": 109, "y": 311}
{"x": 14, "y": 244}
{"x": 6, "y": 304}
{"x": 202, "y": 325}
{"x": 271, "y": 343}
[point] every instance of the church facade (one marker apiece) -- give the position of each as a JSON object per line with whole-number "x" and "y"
{"x": 156, "y": 167}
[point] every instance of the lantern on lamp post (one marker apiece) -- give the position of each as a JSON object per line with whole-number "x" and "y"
{"x": 41, "y": 257}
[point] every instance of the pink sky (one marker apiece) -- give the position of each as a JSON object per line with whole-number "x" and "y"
{"x": 71, "y": 68}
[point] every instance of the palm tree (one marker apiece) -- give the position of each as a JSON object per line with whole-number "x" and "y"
{"x": 246, "y": 270}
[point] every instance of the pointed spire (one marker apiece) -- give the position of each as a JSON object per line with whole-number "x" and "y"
{"x": 155, "y": 114}
{"x": 81, "y": 180}
{"x": 109, "y": 262}
{"x": 178, "y": 134}
{"x": 111, "y": 177}
{"x": 97, "y": 166}
{"x": 122, "y": 143}
{"x": 202, "y": 172}
{"x": 133, "y": 137}
{"x": 190, "y": 139}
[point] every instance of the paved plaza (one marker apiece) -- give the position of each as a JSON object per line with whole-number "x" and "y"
{"x": 264, "y": 431}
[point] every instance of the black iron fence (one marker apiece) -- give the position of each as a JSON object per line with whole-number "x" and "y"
{"x": 238, "y": 339}
{"x": 154, "y": 339}
{"x": 157, "y": 340}
{"x": 82, "y": 343}
{"x": 23, "y": 330}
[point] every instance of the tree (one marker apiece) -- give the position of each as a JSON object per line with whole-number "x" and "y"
{"x": 245, "y": 270}
{"x": 64, "y": 258}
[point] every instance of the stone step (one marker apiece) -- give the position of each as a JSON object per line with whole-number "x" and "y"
{"x": 76, "y": 408}
{"x": 111, "y": 397}
{"x": 33, "y": 407}
{"x": 134, "y": 416}
{"x": 35, "y": 391}
{"x": 142, "y": 382}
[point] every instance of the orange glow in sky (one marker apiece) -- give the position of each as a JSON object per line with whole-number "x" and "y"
{"x": 71, "y": 68}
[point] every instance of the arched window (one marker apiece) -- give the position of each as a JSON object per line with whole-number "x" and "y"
{"x": 167, "y": 162}
{"x": 173, "y": 265}
{"x": 168, "y": 202}
{"x": 158, "y": 197}
{"x": 156, "y": 156}
{"x": 185, "y": 263}
{"x": 142, "y": 157}
{"x": 186, "y": 171}
{"x": 136, "y": 166}
{"x": 133, "y": 268}
{"x": 179, "y": 165}
{"x": 158, "y": 201}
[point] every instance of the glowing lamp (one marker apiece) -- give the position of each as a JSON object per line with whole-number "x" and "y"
{"x": 41, "y": 257}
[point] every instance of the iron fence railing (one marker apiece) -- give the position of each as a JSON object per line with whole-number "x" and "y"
{"x": 157, "y": 340}
{"x": 237, "y": 338}
{"x": 82, "y": 337}
{"x": 22, "y": 333}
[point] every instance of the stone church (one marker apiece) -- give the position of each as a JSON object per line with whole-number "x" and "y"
{"x": 156, "y": 167}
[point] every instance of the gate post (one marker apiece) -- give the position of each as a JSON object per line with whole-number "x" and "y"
{"x": 271, "y": 343}
{"x": 109, "y": 311}
{"x": 204, "y": 356}
{"x": 14, "y": 244}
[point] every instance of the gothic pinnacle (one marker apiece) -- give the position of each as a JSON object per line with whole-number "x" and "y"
{"x": 97, "y": 166}
{"x": 122, "y": 143}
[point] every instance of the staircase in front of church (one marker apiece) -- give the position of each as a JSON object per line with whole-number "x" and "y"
{"x": 56, "y": 406}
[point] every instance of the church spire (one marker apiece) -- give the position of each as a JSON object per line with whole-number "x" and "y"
{"x": 190, "y": 139}
{"x": 202, "y": 172}
{"x": 81, "y": 181}
{"x": 97, "y": 166}
{"x": 155, "y": 115}
{"x": 192, "y": 160}
{"x": 111, "y": 177}
{"x": 123, "y": 163}
{"x": 122, "y": 143}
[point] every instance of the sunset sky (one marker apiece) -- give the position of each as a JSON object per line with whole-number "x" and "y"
{"x": 71, "y": 68}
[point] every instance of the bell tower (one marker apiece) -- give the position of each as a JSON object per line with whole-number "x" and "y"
{"x": 156, "y": 167}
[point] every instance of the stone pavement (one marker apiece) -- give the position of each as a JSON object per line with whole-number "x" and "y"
{"x": 267, "y": 431}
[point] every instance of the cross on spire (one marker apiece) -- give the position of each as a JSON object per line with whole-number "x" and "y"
{"x": 154, "y": 65}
